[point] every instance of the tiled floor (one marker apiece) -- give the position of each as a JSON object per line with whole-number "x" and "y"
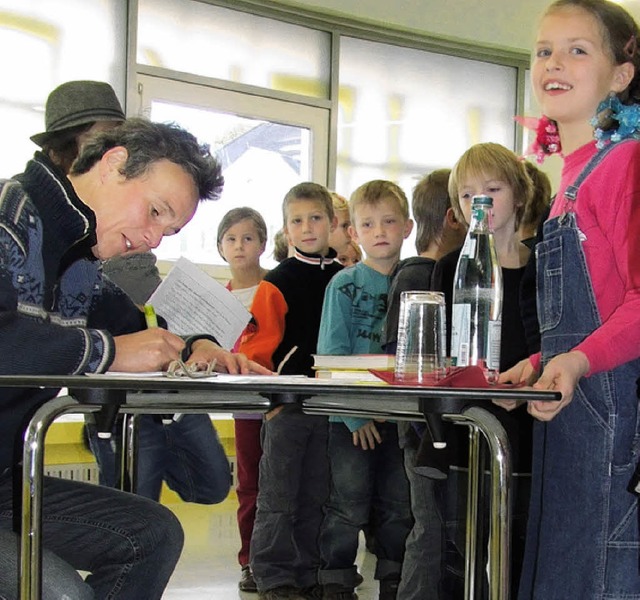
{"x": 208, "y": 568}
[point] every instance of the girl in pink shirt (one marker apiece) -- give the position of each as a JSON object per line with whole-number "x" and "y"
{"x": 583, "y": 537}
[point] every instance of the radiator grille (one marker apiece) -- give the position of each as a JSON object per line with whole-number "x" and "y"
{"x": 87, "y": 472}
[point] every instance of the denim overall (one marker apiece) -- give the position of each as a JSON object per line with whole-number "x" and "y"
{"x": 582, "y": 537}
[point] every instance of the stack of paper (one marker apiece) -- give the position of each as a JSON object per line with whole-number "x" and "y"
{"x": 194, "y": 302}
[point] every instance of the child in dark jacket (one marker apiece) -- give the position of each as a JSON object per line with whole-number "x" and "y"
{"x": 439, "y": 232}
{"x": 294, "y": 470}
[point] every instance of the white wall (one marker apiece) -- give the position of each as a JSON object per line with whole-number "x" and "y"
{"x": 505, "y": 23}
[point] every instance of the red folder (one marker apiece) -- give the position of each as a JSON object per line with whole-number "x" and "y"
{"x": 459, "y": 377}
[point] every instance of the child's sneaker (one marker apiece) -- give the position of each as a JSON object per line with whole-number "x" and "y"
{"x": 389, "y": 589}
{"x": 335, "y": 591}
{"x": 247, "y": 583}
{"x": 283, "y": 592}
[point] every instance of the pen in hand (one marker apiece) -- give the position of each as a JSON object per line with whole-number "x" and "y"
{"x": 152, "y": 321}
{"x": 150, "y": 316}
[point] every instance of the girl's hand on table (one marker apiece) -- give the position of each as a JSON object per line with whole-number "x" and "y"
{"x": 522, "y": 371}
{"x": 561, "y": 374}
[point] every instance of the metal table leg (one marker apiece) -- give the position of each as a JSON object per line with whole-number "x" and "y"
{"x": 32, "y": 476}
{"x": 471, "y": 526}
{"x": 479, "y": 420}
{"x": 128, "y": 466}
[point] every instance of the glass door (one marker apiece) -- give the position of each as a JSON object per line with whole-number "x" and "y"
{"x": 265, "y": 146}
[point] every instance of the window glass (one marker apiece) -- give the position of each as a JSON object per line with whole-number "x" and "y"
{"x": 265, "y": 146}
{"x": 261, "y": 161}
{"x": 47, "y": 48}
{"x": 530, "y": 109}
{"x": 194, "y": 37}
{"x": 405, "y": 112}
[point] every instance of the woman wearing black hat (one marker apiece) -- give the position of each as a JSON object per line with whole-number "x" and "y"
{"x": 74, "y": 111}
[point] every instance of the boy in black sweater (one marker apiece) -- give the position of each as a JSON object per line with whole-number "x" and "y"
{"x": 294, "y": 470}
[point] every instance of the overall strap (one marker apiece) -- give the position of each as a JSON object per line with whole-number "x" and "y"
{"x": 572, "y": 190}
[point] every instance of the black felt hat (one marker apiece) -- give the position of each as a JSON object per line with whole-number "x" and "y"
{"x": 78, "y": 103}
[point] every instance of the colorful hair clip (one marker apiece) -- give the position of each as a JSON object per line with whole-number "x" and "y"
{"x": 547, "y": 140}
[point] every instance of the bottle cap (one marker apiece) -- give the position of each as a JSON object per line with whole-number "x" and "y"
{"x": 484, "y": 200}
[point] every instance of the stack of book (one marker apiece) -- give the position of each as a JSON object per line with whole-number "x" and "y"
{"x": 354, "y": 367}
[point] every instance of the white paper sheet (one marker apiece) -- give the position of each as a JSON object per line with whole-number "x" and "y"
{"x": 194, "y": 302}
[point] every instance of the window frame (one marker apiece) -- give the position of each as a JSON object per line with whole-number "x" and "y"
{"x": 337, "y": 26}
{"x": 316, "y": 119}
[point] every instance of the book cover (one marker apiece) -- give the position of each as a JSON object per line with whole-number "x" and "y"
{"x": 349, "y": 376}
{"x": 353, "y": 362}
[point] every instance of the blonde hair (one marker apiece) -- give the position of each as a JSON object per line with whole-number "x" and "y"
{"x": 308, "y": 191}
{"x": 356, "y": 249}
{"x": 340, "y": 203}
{"x": 373, "y": 192}
{"x": 280, "y": 246}
{"x": 490, "y": 159}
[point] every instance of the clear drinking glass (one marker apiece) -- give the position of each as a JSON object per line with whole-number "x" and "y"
{"x": 420, "y": 355}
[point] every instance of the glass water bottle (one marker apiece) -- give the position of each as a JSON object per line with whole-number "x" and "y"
{"x": 477, "y": 296}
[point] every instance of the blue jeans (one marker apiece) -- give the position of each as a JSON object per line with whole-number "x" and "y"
{"x": 128, "y": 544}
{"x": 186, "y": 453}
{"x": 59, "y": 579}
{"x": 583, "y": 537}
{"x": 292, "y": 488}
{"x": 423, "y": 555}
{"x": 365, "y": 485}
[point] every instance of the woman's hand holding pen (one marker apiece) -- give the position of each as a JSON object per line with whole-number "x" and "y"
{"x": 146, "y": 350}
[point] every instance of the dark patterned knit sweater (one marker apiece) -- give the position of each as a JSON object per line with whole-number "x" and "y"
{"x": 56, "y": 311}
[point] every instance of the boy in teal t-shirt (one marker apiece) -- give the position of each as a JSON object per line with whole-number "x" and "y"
{"x": 367, "y": 473}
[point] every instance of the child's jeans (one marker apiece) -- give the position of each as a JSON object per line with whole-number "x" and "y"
{"x": 423, "y": 557}
{"x": 185, "y": 453}
{"x": 365, "y": 484}
{"x": 293, "y": 486}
